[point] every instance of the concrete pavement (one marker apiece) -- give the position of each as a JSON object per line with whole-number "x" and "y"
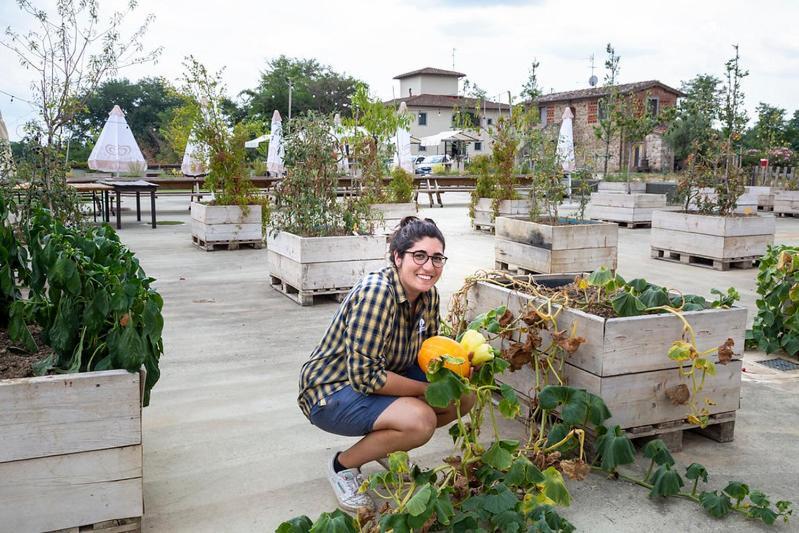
{"x": 227, "y": 449}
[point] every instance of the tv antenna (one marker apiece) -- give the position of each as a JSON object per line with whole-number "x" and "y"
{"x": 453, "y": 59}
{"x": 592, "y": 81}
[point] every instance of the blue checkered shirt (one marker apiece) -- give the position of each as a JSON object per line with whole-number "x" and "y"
{"x": 372, "y": 332}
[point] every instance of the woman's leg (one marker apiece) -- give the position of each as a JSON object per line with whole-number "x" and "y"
{"x": 448, "y": 414}
{"x": 404, "y": 425}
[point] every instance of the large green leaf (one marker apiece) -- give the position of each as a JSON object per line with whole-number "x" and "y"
{"x": 546, "y": 520}
{"x": 554, "y": 487}
{"x": 625, "y": 304}
{"x": 600, "y": 277}
{"x": 763, "y": 513}
{"x": 523, "y": 473}
{"x": 420, "y": 501}
{"x": 578, "y": 406}
{"x": 614, "y": 448}
{"x": 509, "y": 404}
{"x": 665, "y": 481}
{"x": 500, "y": 454}
{"x": 696, "y": 471}
{"x": 657, "y": 450}
{"x": 639, "y": 285}
{"x": 336, "y": 522}
{"x": 654, "y": 297}
{"x": 736, "y": 490}
{"x": 18, "y": 328}
{"x": 442, "y": 506}
{"x": 717, "y": 505}
{"x": 299, "y": 524}
{"x": 445, "y": 390}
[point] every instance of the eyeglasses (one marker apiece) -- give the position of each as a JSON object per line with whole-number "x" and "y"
{"x": 420, "y": 257}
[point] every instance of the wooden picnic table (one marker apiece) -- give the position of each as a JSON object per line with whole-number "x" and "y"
{"x": 137, "y": 186}
{"x": 94, "y": 188}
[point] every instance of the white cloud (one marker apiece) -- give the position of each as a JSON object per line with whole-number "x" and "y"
{"x": 494, "y": 41}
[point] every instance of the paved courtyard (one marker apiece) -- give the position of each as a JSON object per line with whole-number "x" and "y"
{"x": 227, "y": 449}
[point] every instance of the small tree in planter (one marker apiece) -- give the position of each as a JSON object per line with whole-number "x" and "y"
{"x": 545, "y": 242}
{"x": 236, "y": 216}
{"x": 708, "y": 231}
{"x": 318, "y": 244}
{"x": 371, "y": 150}
{"x": 509, "y": 135}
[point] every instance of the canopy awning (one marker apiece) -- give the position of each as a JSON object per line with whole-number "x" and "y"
{"x": 257, "y": 141}
{"x": 447, "y": 136}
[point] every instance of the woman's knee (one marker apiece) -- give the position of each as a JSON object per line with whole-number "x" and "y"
{"x": 410, "y": 416}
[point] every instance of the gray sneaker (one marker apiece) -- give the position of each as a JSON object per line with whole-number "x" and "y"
{"x": 345, "y": 485}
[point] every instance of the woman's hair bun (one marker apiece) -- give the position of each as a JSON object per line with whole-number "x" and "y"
{"x": 408, "y": 220}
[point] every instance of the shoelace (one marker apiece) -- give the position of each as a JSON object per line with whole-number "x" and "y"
{"x": 352, "y": 483}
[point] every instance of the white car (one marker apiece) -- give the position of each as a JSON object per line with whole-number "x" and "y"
{"x": 426, "y": 166}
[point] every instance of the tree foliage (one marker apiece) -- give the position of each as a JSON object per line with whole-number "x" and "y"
{"x": 696, "y": 115}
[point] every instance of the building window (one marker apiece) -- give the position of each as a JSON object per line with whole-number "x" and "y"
{"x": 592, "y": 111}
{"x": 489, "y": 121}
{"x": 478, "y": 146}
{"x": 574, "y": 111}
{"x": 652, "y": 106}
{"x": 423, "y": 119}
{"x": 602, "y": 110}
{"x": 422, "y": 148}
{"x": 542, "y": 113}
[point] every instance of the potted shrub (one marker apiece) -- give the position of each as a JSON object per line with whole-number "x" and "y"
{"x": 85, "y": 321}
{"x": 501, "y": 198}
{"x": 318, "y": 244}
{"x": 373, "y": 128}
{"x": 236, "y": 215}
{"x": 546, "y": 242}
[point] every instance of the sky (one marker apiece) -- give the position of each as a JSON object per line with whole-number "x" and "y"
{"x": 494, "y": 42}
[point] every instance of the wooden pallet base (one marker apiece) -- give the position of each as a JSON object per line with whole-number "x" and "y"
{"x": 785, "y": 214}
{"x": 484, "y": 227}
{"x": 515, "y": 269}
{"x": 628, "y": 224}
{"x": 306, "y": 297}
{"x": 122, "y": 525}
{"x": 209, "y": 246}
{"x": 720, "y": 428}
{"x": 765, "y": 208}
{"x": 702, "y": 261}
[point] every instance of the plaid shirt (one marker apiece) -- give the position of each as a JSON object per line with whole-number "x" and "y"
{"x": 372, "y": 332}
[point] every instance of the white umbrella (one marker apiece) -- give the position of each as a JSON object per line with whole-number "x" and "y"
{"x": 116, "y": 149}
{"x": 566, "y": 145}
{"x": 338, "y": 132}
{"x": 6, "y": 163}
{"x": 194, "y": 158}
{"x": 274, "y": 158}
{"x": 402, "y": 144}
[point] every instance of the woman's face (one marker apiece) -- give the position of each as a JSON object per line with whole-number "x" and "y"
{"x": 417, "y": 279}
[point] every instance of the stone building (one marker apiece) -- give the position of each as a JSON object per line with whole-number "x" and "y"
{"x": 431, "y": 95}
{"x": 652, "y": 154}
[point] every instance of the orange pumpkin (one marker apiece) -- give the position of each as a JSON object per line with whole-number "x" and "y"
{"x": 435, "y": 347}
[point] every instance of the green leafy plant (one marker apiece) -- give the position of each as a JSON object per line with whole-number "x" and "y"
{"x": 401, "y": 186}
{"x": 88, "y": 294}
{"x": 307, "y": 203}
{"x": 776, "y": 326}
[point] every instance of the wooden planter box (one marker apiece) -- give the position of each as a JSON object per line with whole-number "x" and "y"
{"x": 71, "y": 450}
{"x": 763, "y": 195}
{"x": 634, "y": 209}
{"x": 621, "y": 187}
{"x": 484, "y": 212}
{"x": 225, "y": 226}
{"x": 303, "y": 267}
{"x": 392, "y": 216}
{"x": 542, "y": 248}
{"x": 625, "y": 361}
{"x": 712, "y": 241}
{"x": 786, "y": 203}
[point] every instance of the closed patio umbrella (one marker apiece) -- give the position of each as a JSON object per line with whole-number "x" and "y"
{"x": 194, "y": 159}
{"x": 274, "y": 158}
{"x": 116, "y": 149}
{"x": 565, "y": 149}
{"x": 402, "y": 144}
{"x": 6, "y": 163}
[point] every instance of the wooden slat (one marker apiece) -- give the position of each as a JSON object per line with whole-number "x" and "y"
{"x": 714, "y": 225}
{"x": 561, "y": 237}
{"x": 316, "y": 276}
{"x": 628, "y": 200}
{"x": 326, "y": 249}
{"x": 52, "y": 415}
{"x": 225, "y": 214}
{"x": 226, "y": 232}
{"x": 547, "y": 261}
{"x": 710, "y": 246}
{"x": 621, "y": 187}
{"x": 72, "y": 490}
{"x": 640, "y": 399}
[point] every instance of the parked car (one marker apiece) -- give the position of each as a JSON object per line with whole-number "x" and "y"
{"x": 426, "y": 166}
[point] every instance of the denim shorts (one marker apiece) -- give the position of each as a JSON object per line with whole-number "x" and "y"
{"x": 352, "y": 414}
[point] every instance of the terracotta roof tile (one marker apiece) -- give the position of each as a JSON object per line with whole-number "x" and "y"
{"x": 595, "y": 92}
{"x": 430, "y": 70}
{"x": 445, "y": 100}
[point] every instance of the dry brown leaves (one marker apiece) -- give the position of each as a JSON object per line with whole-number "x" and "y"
{"x": 679, "y": 394}
{"x": 575, "y": 469}
{"x": 568, "y": 344}
{"x": 518, "y": 355}
{"x": 533, "y": 318}
{"x": 725, "y": 351}
{"x": 545, "y": 460}
{"x": 506, "y": 318}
